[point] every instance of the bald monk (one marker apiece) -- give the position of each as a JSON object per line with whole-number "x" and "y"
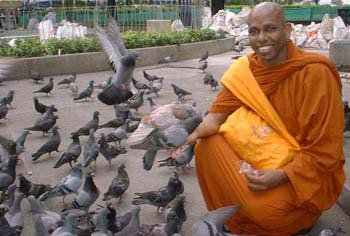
{"x": 305, "y": 90}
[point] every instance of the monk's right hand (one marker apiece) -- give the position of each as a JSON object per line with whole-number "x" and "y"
{"x": 192, "y": 138}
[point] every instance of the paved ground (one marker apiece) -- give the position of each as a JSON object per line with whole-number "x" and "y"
{"x": 75, "y": 114}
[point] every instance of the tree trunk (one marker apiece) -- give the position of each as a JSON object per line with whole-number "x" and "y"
{"x": 217, "y": 5}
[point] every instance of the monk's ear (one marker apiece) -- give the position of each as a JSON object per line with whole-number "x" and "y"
{"x": 288, "y": 28}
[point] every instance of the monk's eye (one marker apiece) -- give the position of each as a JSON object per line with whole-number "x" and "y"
{"x": 253, "y": 32}
{"x": 270, "y": 28}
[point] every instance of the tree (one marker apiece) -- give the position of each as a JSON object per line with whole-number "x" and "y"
{"x": 217, "y": 5}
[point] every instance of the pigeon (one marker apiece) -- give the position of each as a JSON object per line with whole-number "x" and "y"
{"x": 68, "y": 80}
{"x": 331, "y": 232}
{"x": 93, "y": 124}
{"x": 9, "y": 196}
{"x": 39, "y": 228}
{"x": 156, "y": 87}
{"x": 67, "y": 185}
{"x": 86, "y": 93}
{"x": 71, "y": 154}
{"x": 14, "y": 216}
{"x": 36, "y": 76}
{"x": 213, "y": 222}
{"x": 104, "y": 84}
{"x": 180, "y": 92}
{"x": 5, "y": 228}
{"x": 123, "y": 61}
{"x": 204, "y": 57}
{"x": 118, "y": 186}
{"x": 28, "y": 188}
{"x": 7, "y": 100}
{"x": 148, "y": 159}
{"x": 68, "y": 227}
{"x": 347, "y": 115}
{"x": 46, "y": 88}
{"x": 160, "y": 197}
{"x": 150, "y": 78}
{"x": 115, "y": 123}
{"x": 139, "y": 85}
{"x": 45, "y": 122}
{"x": 74, "y": 89}
{"x": 137, "y": 101}
{"x": 7, "y": 151}
{"x": 119, "y": 133}
{"x": 20, "y": 141}
{"x": 213, "y": 83}
{"x": 207, "y": 78}
{"x": 52, "y": 144}
{"x": 91, "y": 150}
{"x": 166, "y": 60}
{"x": 179, "y": 209}
{"x": 116, "y": 222}
{"x": 101, "y": 227}
{"x": 152, "y": 104}
{"x": 86, "y": 197}
{"x": 133, "y": 228}
{"x": 203, "y": 66}
{"x": 8, "y": 176}
{"x": 41, "y": 108}
{"x": 239, "y": 48}
{"x": 3, "y": 111}
{"x": 181, "y": 160}
{"x": 169, "y": 137}
{"x": 108, "y": 151}
{"x": 50, "y": 220}
{"x": 170, "y": 228}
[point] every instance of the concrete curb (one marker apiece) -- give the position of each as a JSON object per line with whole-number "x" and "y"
{"x": 97, "y": 61}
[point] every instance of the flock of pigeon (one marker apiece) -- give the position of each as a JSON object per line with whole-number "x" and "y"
{"x": 164, "y": 127}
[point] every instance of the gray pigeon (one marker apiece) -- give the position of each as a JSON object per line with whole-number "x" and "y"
{"x": 152, "y": 104}
{"x": 9, "y": 196}
{"x": 108, "y": 151}
{"x": 115, "y": 123}
{"x": 166, "y": 60}
{"x": 181, "y": 160}
{"x": 123, "y": 61}
{"x": 50, "y": 220}
{"x": 39, "y": 228}
{"x": 139, "y": 85}
{"x": 150, "y": 78}
{"x": 3, "y": 111}
{"x": 101, "y": 228}
{"x": 204, "y": 57}
{"x": 239, "y": 48}
{"x": 20, "y": 141}
{"x": 119, "y": 133}
{"x": 93, "y": 124}
{"x": 121, "y": 111}
{"x": 67, "y": 185}
{"x": 162, "y": 196}
{"x": 180, "y": 92}
{"x": 52, "y": 144}
{"x": 86, "y": 197}
{"x": 116, "y": 222}
{"x": 36, "y": 76}
{"x": 118, "y": 186}
{"x": 213, "y": 222}
{"x": 46, "y": 88}
{"x": 148, "y": 159}
{"x": 133, "y": 228}
{"x": 40, "y": 107}
{"x": 7, "y": 100}
{"x": 5, "y": 228}
{"x": 28, "y": 188}
{"x": 68, "y": 80}
{"x": 156, "y": 87}
{"x": 73, "y": 87}
{"x": 137, "y": 101}
{"x": 14, "y": 216}
{"x": 86, "y": 93}
{"x": 68, "y": 227}
{"x": 203, "y": 66}
{"x": 213, "y": 83}
{"x": 104, "y": 84}
{"x": 207, "y": 78}
{"x": 45, "y": 122}
{"x": 178, "y": 207}
{"x": 71, "y": 154}
{"x": 8, "y": 176}
{"x": 90, "y": 151}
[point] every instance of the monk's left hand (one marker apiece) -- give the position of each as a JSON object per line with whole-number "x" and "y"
{"x": 266, "y": 179}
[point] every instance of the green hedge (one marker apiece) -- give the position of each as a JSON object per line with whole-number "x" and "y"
{"x": 31, "y": 47}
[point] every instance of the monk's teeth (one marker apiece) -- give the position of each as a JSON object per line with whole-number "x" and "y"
{"x": 265, "y": 49}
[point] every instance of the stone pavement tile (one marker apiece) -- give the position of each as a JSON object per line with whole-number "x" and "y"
{"x": 72, "y": 115}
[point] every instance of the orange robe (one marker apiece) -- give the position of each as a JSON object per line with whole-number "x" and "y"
{"x": 305, "y": 90}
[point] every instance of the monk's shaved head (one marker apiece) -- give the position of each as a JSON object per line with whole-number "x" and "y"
{"x": 268, "y": 8}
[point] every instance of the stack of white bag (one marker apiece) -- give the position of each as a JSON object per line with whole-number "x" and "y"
{"x": 46, "y": 30}
{"x": 71, "y": 30}
{"x": 320, "y": 35}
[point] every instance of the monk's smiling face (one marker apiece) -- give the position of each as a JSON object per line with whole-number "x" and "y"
{"x": 268, "y": 33}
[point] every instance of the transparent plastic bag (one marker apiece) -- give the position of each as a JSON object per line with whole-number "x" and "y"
{"x": 246, "y": 168}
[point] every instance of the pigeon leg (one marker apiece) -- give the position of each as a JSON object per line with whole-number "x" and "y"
{"x": 119, "y": 200}
{"x": 70, "y": 163}
{"x": 49, "y": 154}
{"x": 63, "y": 200}
{"x": 157, "y": 94}
{"x": 157, "y": 211}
